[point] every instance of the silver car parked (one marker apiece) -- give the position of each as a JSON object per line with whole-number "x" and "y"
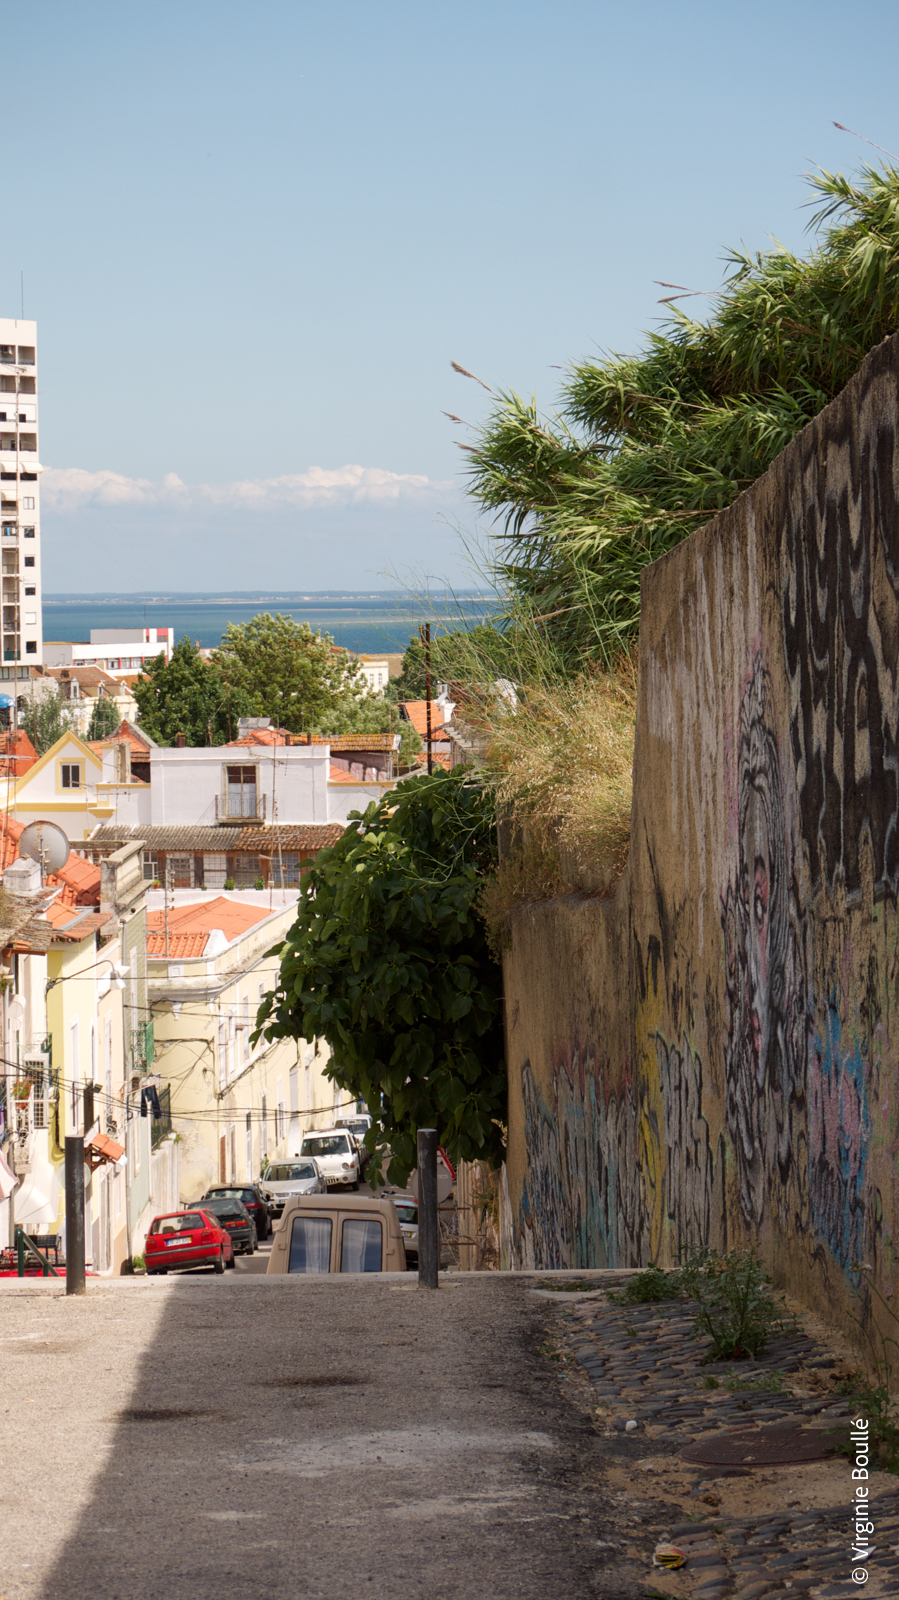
{"x": 303, "y": 1175}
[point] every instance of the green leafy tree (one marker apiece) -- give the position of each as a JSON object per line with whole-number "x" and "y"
{"x": 46, "y": 720}
{"x": 288, "y": 673}
{"x": 645, "y": 448}
{"x": 455, "y": 656}
{"x": 187, "y": 695}
{"x": 104, "y": 718}
{"x": 388, "y": 961}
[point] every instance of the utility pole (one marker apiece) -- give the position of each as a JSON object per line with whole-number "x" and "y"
{"x": 75, "y": 1281}
{"x": 428, "y": 1225}
{"x": 428, "y": 694}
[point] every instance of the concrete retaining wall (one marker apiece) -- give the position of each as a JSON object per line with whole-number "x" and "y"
{"x": 712, "y": 1056}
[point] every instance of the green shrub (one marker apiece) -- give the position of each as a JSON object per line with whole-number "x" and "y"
{"x": 651, "y": 1284}
{"x": 229, "y": 883}
{"x": 736, "y": 1308}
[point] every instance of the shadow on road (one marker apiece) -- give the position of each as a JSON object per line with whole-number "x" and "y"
{"x": 284, "y": 1439}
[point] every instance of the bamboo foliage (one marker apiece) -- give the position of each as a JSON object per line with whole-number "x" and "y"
{"x": 645, "y": 448}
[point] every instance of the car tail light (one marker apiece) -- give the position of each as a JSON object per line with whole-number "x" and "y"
{"x": 154, "y": 1241}
{"x": 207, "y": 1236}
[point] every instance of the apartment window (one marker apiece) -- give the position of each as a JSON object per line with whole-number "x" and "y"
{"x": 29, "y": 562}
{"x": 222, "y": 1051}
{"x": 70, "y": 774}
{"x": 27, "y": 441}
{"x": 30, "y": 588}
{"x": 30, "y": 619}
{"x": 151, "y": 865}
{"x": 28, "y": 503}
{"x": 30, "y": 646}
{"x": 8, "y": 354}
{"x": 180, "y": 871}
{"x": 28, "y": 533}
{"x": 26, "y": 355}
{"x": 264, "y": 1123}
{"x": 241, "y": 791}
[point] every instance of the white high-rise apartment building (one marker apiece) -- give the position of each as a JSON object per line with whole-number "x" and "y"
{"x": 20, "y": 533}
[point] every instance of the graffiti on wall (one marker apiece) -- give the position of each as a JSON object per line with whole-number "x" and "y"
{"x": 743, "y": 1082}
{"x": 765, "y": 1051}
{"x": 584, "y": 1200}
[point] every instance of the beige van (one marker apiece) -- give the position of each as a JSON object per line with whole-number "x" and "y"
{"x": 337, "y": 1233}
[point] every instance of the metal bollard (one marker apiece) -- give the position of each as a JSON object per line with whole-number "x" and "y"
{"x": 75, "y": 1283}
{"x": 428, "y": 1227}
{"x": 20, "y": 1254}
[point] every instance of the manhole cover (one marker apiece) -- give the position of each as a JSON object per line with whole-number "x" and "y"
{"x": 759, "y": 1447}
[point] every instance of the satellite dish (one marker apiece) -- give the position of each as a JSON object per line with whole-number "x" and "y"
{"x": 46, "y": 844}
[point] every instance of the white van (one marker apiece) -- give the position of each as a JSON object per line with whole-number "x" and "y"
{"x": 336, "y": 1155}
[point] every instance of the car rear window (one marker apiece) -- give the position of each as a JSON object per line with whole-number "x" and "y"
{"x": 360, "y": 1245}
{"x": 406, "y": 1213}
{"x": 185, "y": 1222}
{"x": 332, "y": 1144}
{"x": 310, "y": 1245}
{"x": 285, "y": 1174}
{"x": 225, "y": 1208}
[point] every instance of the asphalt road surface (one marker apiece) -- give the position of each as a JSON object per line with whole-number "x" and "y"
{"x": 250, "y": 1438}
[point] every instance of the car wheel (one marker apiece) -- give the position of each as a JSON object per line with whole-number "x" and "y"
{"x": 232, "y": 1262}
{"x": 355, "y": 1186}
{"x": 251, "y": 1248}
{"x": 220, "y": 1261}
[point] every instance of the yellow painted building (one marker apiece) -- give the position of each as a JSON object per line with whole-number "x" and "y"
{"x": 233, "y": 1104}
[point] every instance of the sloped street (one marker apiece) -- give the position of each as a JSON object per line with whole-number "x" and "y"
{"x": 274, "y": 1438}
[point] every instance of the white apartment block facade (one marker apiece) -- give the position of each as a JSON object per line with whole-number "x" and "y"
{"x": 21, "y": 642}
{"x": 118, "y": 651}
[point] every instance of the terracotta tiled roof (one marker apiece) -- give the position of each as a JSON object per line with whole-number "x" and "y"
{"x": 196, "y": 922}
{"x": 126, "y": 732}
{"x": 75, "y": 923}
{"x": 181, "y": 945}
{"x": 417, "y": 712}
{"x": 17, "y": 751}
{"x": 277, "y": 737}
{"x": 296, "y": 836}
{"x": 79, "y": 880}
{"x": 300, "y": 836}
{"x": 89, "y": 679}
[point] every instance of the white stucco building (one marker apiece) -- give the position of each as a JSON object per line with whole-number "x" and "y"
{"x": 119, "y": 651}
{"x": 20, "y": 533}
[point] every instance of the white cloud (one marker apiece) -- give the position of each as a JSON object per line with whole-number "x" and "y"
{"x": 68, "y": 489}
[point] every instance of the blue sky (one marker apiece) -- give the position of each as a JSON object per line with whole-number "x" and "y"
{"x": 255, "y": 237}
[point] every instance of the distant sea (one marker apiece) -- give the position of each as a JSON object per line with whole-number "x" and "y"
{"x": 366, "y": 623}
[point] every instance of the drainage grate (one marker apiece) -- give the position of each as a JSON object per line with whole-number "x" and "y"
{"x": 324, "y": 1380}
{"x": 164, "y": 1414}
{"x": 759, "y": 1447}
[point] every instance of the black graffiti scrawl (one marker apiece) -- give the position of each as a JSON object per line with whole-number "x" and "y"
{"x": 765, "y": 1052}
{"x": 839, "y": 580}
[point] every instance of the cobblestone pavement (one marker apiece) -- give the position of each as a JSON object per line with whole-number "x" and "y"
{"x": 644, "y": 1366}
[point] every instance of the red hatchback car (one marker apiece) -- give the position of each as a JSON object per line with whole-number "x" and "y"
{"x": 187, "y": 1239}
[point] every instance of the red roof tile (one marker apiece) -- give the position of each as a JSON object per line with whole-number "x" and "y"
{"x": 78, "y": 879}
{"x": 417, "y": 712}
{"x": 194, "y": 923}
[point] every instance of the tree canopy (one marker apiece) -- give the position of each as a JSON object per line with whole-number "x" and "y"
{"x": 46, "y": 719}
{"x": 268, "y": 667}
{"x": 187, "y": 695}
{"x": 388, "y": 961}
{"x": 104, "y": 718}
{"x": 645, "y": 448}
{"x": 291, "y": 674}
